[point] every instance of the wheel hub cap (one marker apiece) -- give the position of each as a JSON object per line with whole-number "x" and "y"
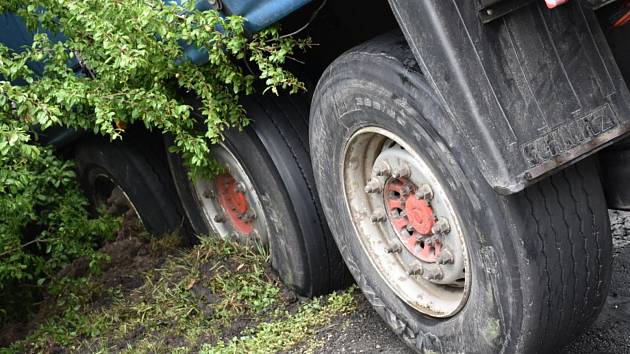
{"x": 234, "y": 202}
{"x": 412, "y": 218}
{"x": 230, "y": 203}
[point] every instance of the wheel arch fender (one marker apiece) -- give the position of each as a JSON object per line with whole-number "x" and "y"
{"x": 511, "y": 88}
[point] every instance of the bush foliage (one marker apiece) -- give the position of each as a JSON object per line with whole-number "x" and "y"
{"x": 121, "y": 63}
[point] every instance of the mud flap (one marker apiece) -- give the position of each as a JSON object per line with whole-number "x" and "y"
{"x": 532, "y": 92}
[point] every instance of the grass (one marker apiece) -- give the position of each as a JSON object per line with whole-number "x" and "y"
{"x": 283, "y": 334}
{"x": 218, "y": 297}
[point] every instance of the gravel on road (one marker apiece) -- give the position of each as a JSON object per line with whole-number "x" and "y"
{"x": 365, "y": 332}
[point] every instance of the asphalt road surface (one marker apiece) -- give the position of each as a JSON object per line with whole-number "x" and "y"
{"x": 365, "y": 332}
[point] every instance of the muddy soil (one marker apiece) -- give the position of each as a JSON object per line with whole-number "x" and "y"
{"x": 131, "y": 255}
{"x": 365, "y": 332}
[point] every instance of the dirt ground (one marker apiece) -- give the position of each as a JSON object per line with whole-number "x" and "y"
{"x": 357, "y": 331}
{"x": 365, "y": 332}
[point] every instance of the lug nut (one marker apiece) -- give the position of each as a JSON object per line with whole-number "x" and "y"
{"x": 433, "y": 274}
{"x": 239, "y": 187}
{"x": 373, "y": 186}
{"x": 433, "y": 240}
{"x": 383, "y": 170}
{"x": 249, "y": 215}
{"x": 405, "y": 190}
{"x": 441, "y": 227}
{"x": 394, "y": 248}
{"x": 424, "y": 240}
{"x": 424, "y": 192}
{"x": 378, "y": 216}
{"x": 219, "y": 218}
{"x": 445, "y": 256}
{"x": 402, "y": 172}
{"x": 416, "y": 269}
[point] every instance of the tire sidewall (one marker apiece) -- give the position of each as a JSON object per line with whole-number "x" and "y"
{"x": 287, "y": 249}
{"x": 385, "y": 98}
{"x": 138, "y": 180}
{"x": 285, "y": 244}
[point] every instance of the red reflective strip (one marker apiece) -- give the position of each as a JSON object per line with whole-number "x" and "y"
{"x": 623, "y": 20}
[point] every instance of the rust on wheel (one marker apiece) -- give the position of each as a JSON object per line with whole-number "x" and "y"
{"x": 412, "y": 218}
{"x": 231, "y": 205}
{"x": 404, "y": 219}
{"x": 231, "y": 197}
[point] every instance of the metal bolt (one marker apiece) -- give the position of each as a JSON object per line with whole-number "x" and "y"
{"x": 490, "y": 12}
{"x": 402, "y": 172}
{"x": 433, "y": 274}
{"x": 239, "y": 187}
{"x": 424, "y": 192}
{"x": 208, "y": 194}
{"x": 394, "y": 248}
{"x": 373, "y": 186}
{"x": 432, "y": 240}
{"x": 441, "y": 227}
{"x": 446, "y": 256}
{"x": 383, "y": 170}
{"x": 405, "y": 190}
{"x": 410, "y": 229}
{"x": 416, "y": 269}
{"x": 219, "y": 218}
{"x": 378, "y": 216}
{"x": 250, "y": 215}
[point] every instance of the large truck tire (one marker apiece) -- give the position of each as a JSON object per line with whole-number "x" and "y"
{"x": 267, "y": 195}
{"x": 449, "y": 264}
{"x": 131, "y": 173}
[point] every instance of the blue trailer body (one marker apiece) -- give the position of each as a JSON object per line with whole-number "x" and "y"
{"x": 262, "y": 14}
{"x": 258, "y": 16}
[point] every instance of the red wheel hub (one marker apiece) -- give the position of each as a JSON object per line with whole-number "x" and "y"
{"x": 412, "y": 218}
{"x": 234, "y": 203}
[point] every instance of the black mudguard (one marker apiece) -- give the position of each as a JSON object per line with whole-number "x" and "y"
{"x": 532, "y": 92}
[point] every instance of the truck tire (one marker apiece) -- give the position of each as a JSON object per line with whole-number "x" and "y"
{"x": 268, "y": 196}
{"x": 450, "y": 265}
{"x": 138, "y": 172}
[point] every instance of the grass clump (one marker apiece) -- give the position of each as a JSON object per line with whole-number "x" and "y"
{"x": 218, "y": 297}
{"x": 287, "y": 332}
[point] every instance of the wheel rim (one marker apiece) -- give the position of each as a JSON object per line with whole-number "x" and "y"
{"x": 111, "y": 195}
{"x": 406, "y": 222}
{"x": 229, "y": 202}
